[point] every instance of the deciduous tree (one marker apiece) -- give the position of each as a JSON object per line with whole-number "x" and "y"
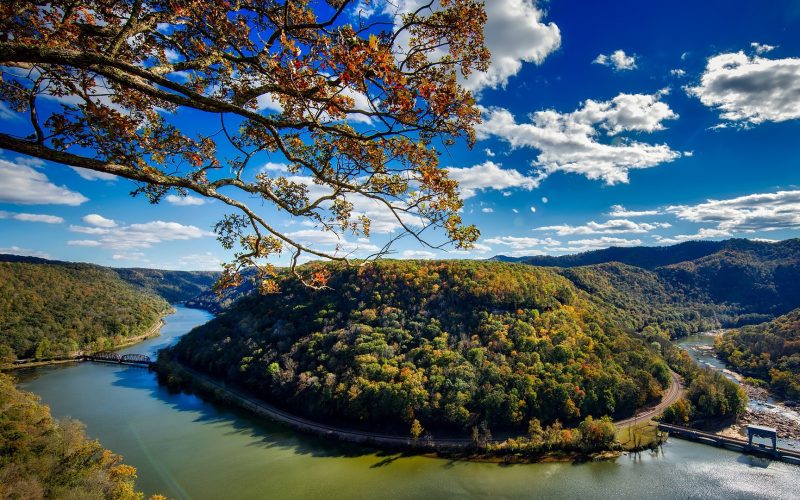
{"x": 355, "y": 107}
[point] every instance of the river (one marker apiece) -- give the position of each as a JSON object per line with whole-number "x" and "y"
{"x": 184, "y": 447}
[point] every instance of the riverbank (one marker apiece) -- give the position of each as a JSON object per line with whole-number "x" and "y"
{"x": 76, "y": 357}
{"x": 763, "y": 409}
{"x": 506, "y": 450}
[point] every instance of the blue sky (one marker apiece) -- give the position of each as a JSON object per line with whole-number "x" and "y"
{"x": 605, "y": 123}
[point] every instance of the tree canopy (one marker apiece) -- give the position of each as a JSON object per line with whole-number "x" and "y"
{"x": 356, "y": 108}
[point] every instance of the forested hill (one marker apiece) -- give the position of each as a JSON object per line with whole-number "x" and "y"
{"x": 449, "y": 344}
{"x": 644, "y": 257}
{"x": 769, "y": 352}
{"x": 50, "y": 309}
{"x": 746, "y": 281}
{"x": 173, "y": 286}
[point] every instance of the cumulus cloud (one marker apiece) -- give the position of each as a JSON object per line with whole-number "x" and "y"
{"x": 515, "y": 33}
{"x": 487, "y": 210}
{"x": 702, "y": 234}
{"x": 489, "y": 175}
{"x": 24, "y": 185}
{"x": 417, "y": 254}
{"x": 329, "y": 242}
{"x": 596, "y": 244}
{"x": 98, "y": 220}
{"x": 680, "y": 73}
{"x": 92, "y": 175}
{"x": 618, "y": 60}
{"x": 26, "y": 252}
{"x": 750, "y": 90}
{"x": 200, "y": 262}
{"x": 84, "y": 243}
{"x": 47, "y": 219}
{"x": 569, "y": 142}
{"x": 135, "y": 236}
{"x": 620, "y": 211}
{"x": 185, "y": 201}
{"x": 522, "y": 242}
{"x": 614, "y": 226}
{"x": 525, "y": 246}
{"x": 749, "y": 213}
{"x": 762, "y": 48}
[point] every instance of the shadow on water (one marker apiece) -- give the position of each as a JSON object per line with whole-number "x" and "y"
{"x": 260, "y": 431}
{"x": 753, "y": 461}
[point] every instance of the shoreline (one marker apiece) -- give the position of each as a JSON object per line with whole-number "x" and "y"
{"x": 152, "y": 332}
{"x": 189, "y": 379}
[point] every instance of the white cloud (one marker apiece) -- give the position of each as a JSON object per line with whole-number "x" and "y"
{"x": 417, "y": 254}
{"x": 515, "y": 33}
{"x": 522, "y": 243}
{"x": 47, "y": 219}
{"x": 131, "y": 256}
{"x": 84, "y": 243}
{"x": 620, "y": 211}
{"x": 568, "y": 142}
{"x": 200, "y": 262}
{"x": 750, "y": 213}
{"x": 533, "y": 209}
{"x": 487, "y": 210}
{"x": 268, "y": 102}
{"x": 143, "y": 235}
{"x": 329, "y": 242}
{"x": 26, "y": 252}
{"x": 702, "y": 234}
{"x": 93, "y": 175}
{"x": 545, "y": 200}
{"x": 24, "y": 185}
{"x": 618, "y": 60}
{"x": 677, "y": 72}
{"x": 614, "y": 226}
{"x": 6, "y": 113}
{"x": 597, "y": 243}
{"x": 98, "y": 220}
{"x": 489, "y": 152}
{"x": 762, "y": 48}
{"x": 515, "y": 210}
{"x": 489, "y": 175}
{"x": 185, "y": 201}
{"x": 272, "y": 166}
{"x": 750, "y": 89}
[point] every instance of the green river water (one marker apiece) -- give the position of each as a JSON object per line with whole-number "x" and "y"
{"x": 184, "y": 447}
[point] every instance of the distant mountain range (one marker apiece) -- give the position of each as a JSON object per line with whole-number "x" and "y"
{"x": 172, "y": 286}
{"x": 753, "y": 277}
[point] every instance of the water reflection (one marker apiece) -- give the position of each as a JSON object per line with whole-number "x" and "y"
{"x": 187, "y": 448}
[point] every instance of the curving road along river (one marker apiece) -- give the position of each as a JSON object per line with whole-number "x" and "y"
{"x": 184, "y": 447}
{"x": 675, "y": 391}
{"x": 672, "y": 394}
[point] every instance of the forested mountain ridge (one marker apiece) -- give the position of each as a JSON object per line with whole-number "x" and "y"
{"x": 173, "y": 286}
{"x": 729, "y": 283}
{"x": 53, "y": 309}
{"x": 448, "y": 344}
{"x": 769, "y": 352}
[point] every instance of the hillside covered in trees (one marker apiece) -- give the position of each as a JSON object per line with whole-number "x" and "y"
{"x": 691, "y": 286}
{"x": 43, "y": 458}
{"x": 448, "y": 344}
{"x": 769, "y": 352}
{"x": 173, "y": 286}
{"x": 53, "y": 309}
